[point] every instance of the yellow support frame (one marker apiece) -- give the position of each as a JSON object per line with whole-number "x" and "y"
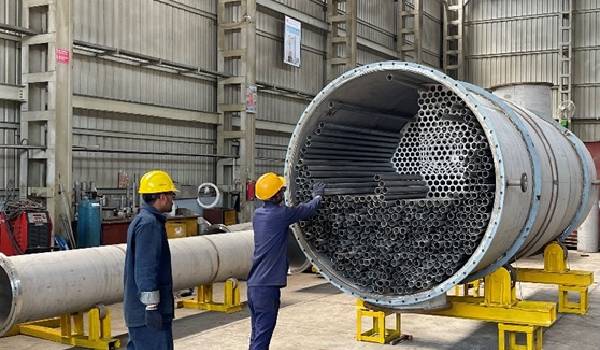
{"x": 556, "y": 272}
{"x": 379, "y": 333}
{"x": 69, "y": 329}
{"x": 498, "y": 304}
{"x": 533, "y": 336}
{"x": 472, "y": 288}
{"x": 204, "y": 298}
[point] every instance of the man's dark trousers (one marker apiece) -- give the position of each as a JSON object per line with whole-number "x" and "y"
{"x": 263, "y": 302}
{"x": 146, "y": 338}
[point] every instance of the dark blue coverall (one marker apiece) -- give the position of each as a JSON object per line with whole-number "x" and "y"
{"x": 270, "y": 265}
{"x": 148, "y": 269}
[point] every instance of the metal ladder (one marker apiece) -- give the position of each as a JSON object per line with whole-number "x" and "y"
{"x": 341, "y": 39}
{"x": 453, "y": 39}
{"x": 236, "y": 17}
{"x": 565, "y": 102}
{"x": 409, "y": 43}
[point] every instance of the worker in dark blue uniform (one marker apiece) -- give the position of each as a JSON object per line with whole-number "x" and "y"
{"x": 148, "y": 299}
{"x": 269, "y": 263}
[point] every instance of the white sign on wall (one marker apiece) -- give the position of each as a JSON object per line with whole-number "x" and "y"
{"x": 291, "y": 42}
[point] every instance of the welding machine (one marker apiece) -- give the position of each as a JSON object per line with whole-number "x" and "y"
{"x": 25, "y": 232}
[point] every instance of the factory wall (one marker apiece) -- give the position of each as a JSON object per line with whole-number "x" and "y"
{"x": 510, "y": 41}
{"x": 10, "y": 63}
{"x": 586, "y": 69}
{"x": 183, "y": 32}
{"x": 507, "y": 41}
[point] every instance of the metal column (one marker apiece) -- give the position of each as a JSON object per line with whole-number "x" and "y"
{"x": 453, "y": 50}
{"x": 46, "y": 117}
{"x": 236, "y": 55}
{"x": 565, "y": 40}
{"x": 341, "y": 38}
{"x": 410, "y": 30}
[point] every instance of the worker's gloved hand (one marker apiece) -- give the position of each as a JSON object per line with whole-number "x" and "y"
{"x": 318, "y": 189}
{"x": 153, "y": 318}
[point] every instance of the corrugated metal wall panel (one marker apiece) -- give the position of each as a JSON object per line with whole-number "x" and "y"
{"x": 586, "y": 66}
{"x": 126, "y": 132}
{"x": 10, "y": 59}
{"x": 587, "y": 130}
{"x": 100, "y": 77}
{"x": 270, "y": 153}
{"x": 586, "y": 102}
{"x": 203, "y": 5}
{"x": 491, "y": 71}
{"x": 9, "y": 117}
{"x": 581, "y": 5}
{"x": 525, "y": 35}
{"x": 315, "y": 8}
{"x": 501, "y": 48}
{"x": 270, "y": 67}
{"x": 182, "y": 31}
{"x": 367, "y": 56}
{"x": 10, "y": 63}
{"x": 271, "y": 24}
{"x": 492, "y": 10}
{"x": 277, "y": 108}
{"x": 517, "y": 41}
{"x": 154, "y": 28}
{"x": 431, "y": 35}
{"x": 377, "y": 21}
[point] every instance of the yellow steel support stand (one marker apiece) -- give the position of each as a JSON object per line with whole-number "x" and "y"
{"x": 69, "y": 329}
{"x": 498, "y": 304}
{"x": 472, "y": 288}
{"x": 204, "y": 298}
{"x": 557, "y": 272}
{"x": 379, "y": 333}
{"x": 533, "y": 336}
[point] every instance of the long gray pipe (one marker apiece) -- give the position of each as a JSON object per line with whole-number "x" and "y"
{"x": 38, "y": 286}
{"x": 544, "y": 174}
{"x": 298, "y": 262}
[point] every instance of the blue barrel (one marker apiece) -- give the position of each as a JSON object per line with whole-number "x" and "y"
{"x": 89, "y": 223}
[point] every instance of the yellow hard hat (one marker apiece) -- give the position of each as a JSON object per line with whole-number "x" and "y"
{"x": 156, "y": 181}
{"x": 268, "y": 185}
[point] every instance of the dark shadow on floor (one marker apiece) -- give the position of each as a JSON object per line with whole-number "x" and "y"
{"x": 323, "y": 288}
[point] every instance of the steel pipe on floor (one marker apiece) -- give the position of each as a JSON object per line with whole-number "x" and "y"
{"x": 39, "y": 286}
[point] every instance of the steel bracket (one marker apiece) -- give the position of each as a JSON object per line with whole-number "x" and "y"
{"x": 203, "y": 300}
{"x": 70, "y": 329}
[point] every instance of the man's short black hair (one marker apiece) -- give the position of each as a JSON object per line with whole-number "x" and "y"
{"x": 150, "y": 198}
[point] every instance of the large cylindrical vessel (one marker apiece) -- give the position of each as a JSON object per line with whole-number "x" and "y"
{"x": 535, "y": 97}
{"x": 430, "y": 182}
{"x": 34, "y": 287}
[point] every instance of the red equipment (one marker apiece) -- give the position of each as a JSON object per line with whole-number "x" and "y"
{"x": 28, "y": 232}
{"x": 250, "y": 190}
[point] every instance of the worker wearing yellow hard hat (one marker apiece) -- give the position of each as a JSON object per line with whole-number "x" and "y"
{"x": 268, "y": 185}
{"x": 148, "y": 299}
{"x": 155, "y": 182}
{"x": 269, "y": 264}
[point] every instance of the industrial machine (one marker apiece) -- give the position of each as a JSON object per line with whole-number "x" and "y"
{"x": 25, "y": 227}
{"x": 431, "y": 183}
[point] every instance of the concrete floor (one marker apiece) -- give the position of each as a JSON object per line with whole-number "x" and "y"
{"x": 315, "y": 315}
